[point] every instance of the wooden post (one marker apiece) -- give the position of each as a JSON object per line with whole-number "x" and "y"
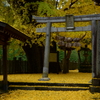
{"x": 46, "y": 54}
{"x": 5, "y": 82}
{"x": 94, "y": 47}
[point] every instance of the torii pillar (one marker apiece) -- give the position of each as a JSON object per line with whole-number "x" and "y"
{"x": 46, "y": 54}
{"x": 70, "y": 25}
{"x": 95, "y": 87}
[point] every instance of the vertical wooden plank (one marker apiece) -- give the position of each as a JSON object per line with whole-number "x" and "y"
{"x": 94, "y": 47}
{"x": 46, "y": 54}
{"x": 5, "y": 83}
{"x": 98, "y": 50}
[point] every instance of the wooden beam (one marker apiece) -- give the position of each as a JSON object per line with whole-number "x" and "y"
{"x": 63, "y": 29}
{"x": 80, "y": 18}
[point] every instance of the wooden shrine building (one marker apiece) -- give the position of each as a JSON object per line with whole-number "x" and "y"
{"x": 7, "y": 32}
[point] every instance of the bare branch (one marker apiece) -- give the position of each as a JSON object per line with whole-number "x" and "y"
{"x": 72, "y": 3}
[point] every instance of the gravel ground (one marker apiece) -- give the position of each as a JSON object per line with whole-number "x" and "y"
{"x": 72, "y": 77}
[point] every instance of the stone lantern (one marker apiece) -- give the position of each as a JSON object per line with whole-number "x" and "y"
{"x": 85, "y": 59}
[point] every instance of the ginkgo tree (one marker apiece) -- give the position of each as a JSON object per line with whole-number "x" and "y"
{"x": 18, "y": 13}
{"x": 21, "y": 12}
{"x": 79, "y": 7}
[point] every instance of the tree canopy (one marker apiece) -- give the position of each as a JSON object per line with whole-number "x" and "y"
{"x": 18, "y": 13}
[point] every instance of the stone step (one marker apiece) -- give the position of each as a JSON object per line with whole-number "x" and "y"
{"x": 94, "y": 89}
{"x": 49, "y": 84}
{"x": 96, "y": 81}
{"x": 51, "y": 88}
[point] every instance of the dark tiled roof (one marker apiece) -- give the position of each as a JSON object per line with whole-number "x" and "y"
{"x": 6, "y": 31}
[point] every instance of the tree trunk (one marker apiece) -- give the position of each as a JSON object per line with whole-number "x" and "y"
{"x": 66, "y": 62}
{"x": 35, "y": 58}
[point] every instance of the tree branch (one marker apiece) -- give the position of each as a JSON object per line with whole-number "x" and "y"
{"x": 97, "y": 2}
{"x": 72, "y": 3}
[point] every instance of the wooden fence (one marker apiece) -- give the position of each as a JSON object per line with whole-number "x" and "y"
{"x": 19, "y": 67}
{"x": 16, "y": 66}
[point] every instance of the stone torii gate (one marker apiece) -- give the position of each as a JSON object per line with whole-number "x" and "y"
{"x": 69, "y": 19}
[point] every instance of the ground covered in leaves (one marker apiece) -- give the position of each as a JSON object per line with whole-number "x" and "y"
{"x": 72, "y": 77}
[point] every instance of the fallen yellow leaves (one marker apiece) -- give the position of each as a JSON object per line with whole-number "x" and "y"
{"x": 72, "y": 77}
{"x": 49, "y": 95}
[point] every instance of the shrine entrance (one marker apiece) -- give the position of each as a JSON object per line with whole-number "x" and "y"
{"x": 69, "y": 20}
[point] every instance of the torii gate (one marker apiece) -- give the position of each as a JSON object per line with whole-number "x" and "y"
{"x": 69, "y": 19}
